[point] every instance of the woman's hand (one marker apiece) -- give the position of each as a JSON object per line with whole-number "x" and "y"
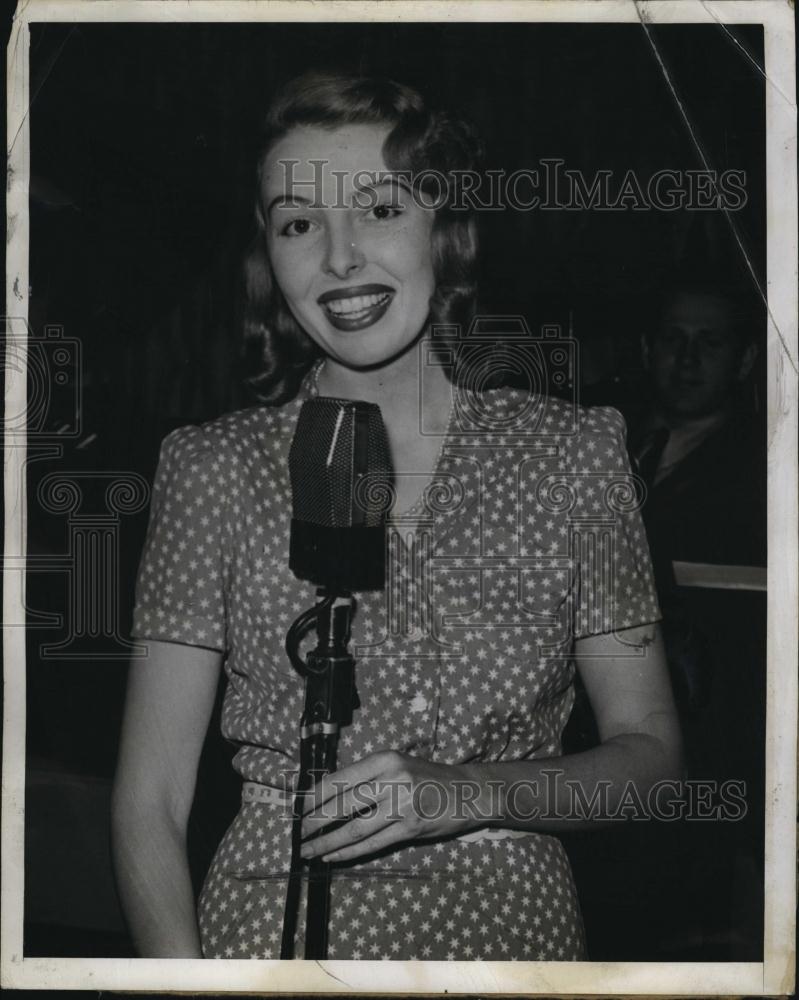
{"x": 386, "y": 798}
{"x": 391, "y": 797}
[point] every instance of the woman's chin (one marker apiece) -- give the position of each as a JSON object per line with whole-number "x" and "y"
{"x": 365, "y": 356}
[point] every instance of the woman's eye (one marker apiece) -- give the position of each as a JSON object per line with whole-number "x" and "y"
{"x": 297, "y": 227}
{"x": 381, "y": 212}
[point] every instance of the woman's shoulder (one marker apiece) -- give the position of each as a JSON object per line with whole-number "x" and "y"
{"x": 519, "y": 410}
{"x": 231, "y": 437}
{"x": 601, "y": 420}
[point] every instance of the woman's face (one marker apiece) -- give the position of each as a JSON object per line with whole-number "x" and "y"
{"x": 351, "y": 251}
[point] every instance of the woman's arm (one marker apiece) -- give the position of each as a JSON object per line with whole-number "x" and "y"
{"x": 169, "y": 702}
{"x": 627, "y": 682}
{"x": 631, "y": 696}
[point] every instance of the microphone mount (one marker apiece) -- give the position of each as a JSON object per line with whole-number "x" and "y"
{"x": 330, "y": 699}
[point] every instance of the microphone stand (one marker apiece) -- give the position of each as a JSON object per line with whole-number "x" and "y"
{"x": 330, "y": 698}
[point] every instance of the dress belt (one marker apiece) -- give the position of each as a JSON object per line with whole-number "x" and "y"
{"x": 253, "y": 791}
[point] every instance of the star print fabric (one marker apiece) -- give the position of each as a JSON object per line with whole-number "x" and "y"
{"x": 526, "y": 537}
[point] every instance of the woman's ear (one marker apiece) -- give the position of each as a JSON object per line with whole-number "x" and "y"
{"x": 747, "y": 361}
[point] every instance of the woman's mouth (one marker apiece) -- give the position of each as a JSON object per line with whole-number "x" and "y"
{"x": 356, "y": 312}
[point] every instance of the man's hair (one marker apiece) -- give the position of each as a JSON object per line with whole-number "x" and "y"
{"x": 277, "y": 351}
{"x": 746, "y": 310}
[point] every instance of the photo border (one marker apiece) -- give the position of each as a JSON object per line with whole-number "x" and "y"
{"x": 775, "y": 975}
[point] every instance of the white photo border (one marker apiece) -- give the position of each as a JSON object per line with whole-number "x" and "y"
{"x": 775, "y": 975}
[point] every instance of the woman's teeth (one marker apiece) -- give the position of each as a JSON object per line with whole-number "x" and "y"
{"x": 359, "y": 304}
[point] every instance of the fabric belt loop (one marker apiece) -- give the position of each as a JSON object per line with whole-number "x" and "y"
{"x": 252, "y": 791}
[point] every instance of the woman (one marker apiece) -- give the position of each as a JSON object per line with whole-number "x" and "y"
{"x": 356, "y": 258}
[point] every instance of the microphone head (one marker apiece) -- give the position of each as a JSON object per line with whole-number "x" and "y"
{"x": 341, "y": 490}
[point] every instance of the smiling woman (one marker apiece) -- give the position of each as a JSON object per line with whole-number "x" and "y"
{"x": 445, "y": 810}
{"x": 339, "y": 157}
{"x": 343, "y": 264}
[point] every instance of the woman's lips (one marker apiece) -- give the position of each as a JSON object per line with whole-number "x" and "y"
{"x": 347, "y": 311}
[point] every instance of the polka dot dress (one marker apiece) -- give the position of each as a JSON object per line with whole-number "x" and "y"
{"x": 527, "y": 536}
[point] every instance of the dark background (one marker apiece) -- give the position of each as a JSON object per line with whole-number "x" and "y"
{"x": 141, "y": 205}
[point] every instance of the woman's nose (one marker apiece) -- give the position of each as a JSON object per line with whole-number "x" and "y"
{"x": 343, "y": 256}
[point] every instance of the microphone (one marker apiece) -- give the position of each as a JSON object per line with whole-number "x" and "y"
{"x": 341, "y": 490}
{"x": 341, "y": 486}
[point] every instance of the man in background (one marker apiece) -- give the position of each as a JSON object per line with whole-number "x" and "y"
{"x": 692, "y": 890}
{"x": 700, "y": 446}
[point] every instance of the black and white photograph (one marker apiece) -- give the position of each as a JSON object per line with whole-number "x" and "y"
{"x": 400, "y": 574}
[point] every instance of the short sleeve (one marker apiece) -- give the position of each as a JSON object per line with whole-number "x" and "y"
{"x": 180, "y": 585}
{"x": 615, "y": 580}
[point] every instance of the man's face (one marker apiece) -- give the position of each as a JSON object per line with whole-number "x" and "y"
{"x": 695, "y": 357}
